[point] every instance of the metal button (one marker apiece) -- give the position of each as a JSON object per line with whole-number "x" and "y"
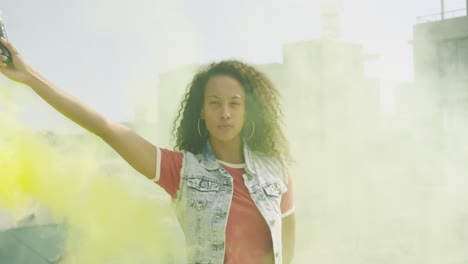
{"x": 203, "y": 184}
{"x": 218, "y": 246}
{"x": 221, "y": 214}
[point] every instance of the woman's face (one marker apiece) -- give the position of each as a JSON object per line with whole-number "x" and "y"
{"x": 223, "y": 108}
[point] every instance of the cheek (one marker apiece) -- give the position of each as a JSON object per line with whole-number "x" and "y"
{"x": 242, "y": 114}
{"x": 210, "y": 119}
{"x": 207, "y": 114}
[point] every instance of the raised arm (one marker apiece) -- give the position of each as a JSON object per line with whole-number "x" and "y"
{"x": 138, "y": 152}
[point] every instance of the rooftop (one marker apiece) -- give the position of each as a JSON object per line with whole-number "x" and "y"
{"x": 442, "y": 15}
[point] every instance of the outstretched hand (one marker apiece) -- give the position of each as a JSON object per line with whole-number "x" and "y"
{"x": 17, "y": 69}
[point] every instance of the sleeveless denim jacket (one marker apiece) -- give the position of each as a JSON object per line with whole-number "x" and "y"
{"x": 205, "y": 195}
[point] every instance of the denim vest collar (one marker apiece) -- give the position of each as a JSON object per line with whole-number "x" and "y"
{"x": 209, "y": 162}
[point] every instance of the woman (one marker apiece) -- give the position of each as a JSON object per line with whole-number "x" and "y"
{"x": 227, "y": 177}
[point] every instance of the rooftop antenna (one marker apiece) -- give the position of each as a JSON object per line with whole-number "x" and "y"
{"x": 442, "y": 8}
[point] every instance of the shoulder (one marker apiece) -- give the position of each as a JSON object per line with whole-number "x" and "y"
{"x": 272, "y": 165}
{"x": 191, "y": 163}
{"x": 190, "y": 156}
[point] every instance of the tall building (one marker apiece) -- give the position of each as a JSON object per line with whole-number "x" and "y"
{"x": 441, "y": 79}
{"x": 441, "y": 66}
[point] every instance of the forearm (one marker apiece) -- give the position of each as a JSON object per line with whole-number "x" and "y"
{"x": 288, "y": 255}
{"x": 289, "y": 237}
{"x": 68, "y": 105}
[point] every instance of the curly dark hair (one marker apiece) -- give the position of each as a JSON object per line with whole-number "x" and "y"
{"x": 263, "y": 108}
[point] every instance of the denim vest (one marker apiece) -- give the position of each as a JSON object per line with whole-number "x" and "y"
{"x": 205, "y": 195}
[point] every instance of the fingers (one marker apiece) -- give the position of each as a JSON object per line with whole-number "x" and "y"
{"x": 3, "y": 61}
{"x": 8, "y": 45}
{"x": 6, "y": 52}
{"x": 3, "y": 58}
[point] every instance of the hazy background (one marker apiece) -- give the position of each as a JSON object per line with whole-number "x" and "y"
{"x": 379, "y": 160}
{"x": 109, "y": 53}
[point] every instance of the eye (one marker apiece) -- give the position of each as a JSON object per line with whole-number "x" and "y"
{"x": 214, "y": 103}
{"x": 235, "y": 103}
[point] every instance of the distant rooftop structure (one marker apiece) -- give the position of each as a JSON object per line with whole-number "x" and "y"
{"x": 442, "y": 15}
{"x": 330, "y": 19}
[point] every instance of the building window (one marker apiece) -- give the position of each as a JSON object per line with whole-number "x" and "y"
{"x": 447, "y": 53}
{"x": 453, "y": 58}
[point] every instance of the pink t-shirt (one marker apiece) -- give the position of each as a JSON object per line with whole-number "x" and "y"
{"x": 246, "y": 241}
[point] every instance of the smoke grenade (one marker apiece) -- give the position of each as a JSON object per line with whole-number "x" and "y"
{"x": 3, "y": 34}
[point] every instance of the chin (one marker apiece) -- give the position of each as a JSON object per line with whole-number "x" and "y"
{"x": 225, "y": 138}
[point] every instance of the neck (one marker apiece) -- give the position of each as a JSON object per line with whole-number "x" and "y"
{"x": 230, "y": 151}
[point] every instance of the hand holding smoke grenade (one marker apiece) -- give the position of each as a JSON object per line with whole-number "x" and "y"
{"x": 5, "y": 51}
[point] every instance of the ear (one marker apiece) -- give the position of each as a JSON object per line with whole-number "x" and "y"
{"x": 202, "y": 114}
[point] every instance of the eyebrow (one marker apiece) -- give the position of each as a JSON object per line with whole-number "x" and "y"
{"x": 233, "y": 97}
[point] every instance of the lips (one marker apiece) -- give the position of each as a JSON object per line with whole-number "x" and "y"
{"x": 225, "y": 126}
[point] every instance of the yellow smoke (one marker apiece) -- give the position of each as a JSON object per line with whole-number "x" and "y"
{"x": 107, "y": 218}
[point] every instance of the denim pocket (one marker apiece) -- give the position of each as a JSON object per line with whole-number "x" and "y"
{"x": 275, "y": 189}
{"x": 203, "y": 185}
{"x": 273, "y": 192}
{"x": 201, "y": 192}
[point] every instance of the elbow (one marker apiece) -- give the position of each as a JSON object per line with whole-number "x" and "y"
{"x": 104, "y": 129}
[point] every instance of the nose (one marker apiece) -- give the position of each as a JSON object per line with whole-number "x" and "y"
{"x": 226, "y": 114}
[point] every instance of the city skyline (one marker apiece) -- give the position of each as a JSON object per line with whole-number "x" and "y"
{"x": 109, "y": 54}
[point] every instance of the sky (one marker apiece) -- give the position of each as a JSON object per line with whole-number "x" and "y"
{"x": 108, "y": 53}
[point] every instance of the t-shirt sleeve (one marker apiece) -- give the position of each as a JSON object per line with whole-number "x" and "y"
{"x": 168, "y": 166}
{"x": 287, "y": 200}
